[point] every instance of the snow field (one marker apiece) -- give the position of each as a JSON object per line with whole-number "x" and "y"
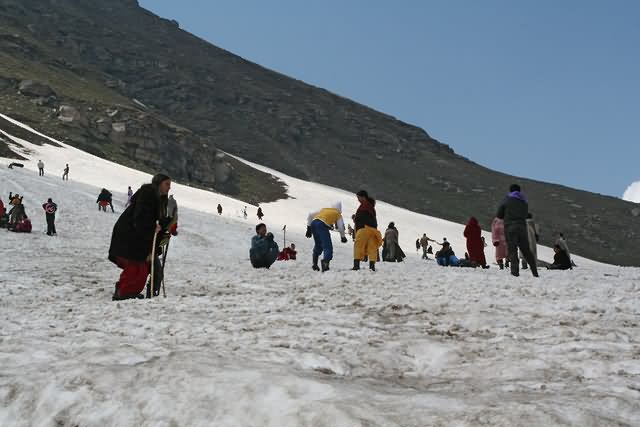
{"x": 412, "y": 344}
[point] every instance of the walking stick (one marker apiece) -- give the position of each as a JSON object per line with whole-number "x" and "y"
{"x": 164, "y": 261}
{"x": 284, "y": 231}
{"x": 153, "y": 262}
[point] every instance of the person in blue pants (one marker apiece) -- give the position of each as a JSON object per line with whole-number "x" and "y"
{"x": 319, "y": 224}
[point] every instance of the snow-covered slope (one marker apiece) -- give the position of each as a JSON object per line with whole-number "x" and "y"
{"x": 412, "y": 344}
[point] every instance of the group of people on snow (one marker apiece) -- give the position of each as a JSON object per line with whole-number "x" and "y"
{"x": 40, "y": 164}
{"x": 514, "y": 237}
{"x": 15, "y": 218}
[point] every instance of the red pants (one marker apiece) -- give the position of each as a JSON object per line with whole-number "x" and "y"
{"x": 133, "y": 277}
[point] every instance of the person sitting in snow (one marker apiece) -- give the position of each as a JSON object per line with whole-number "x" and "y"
{"x": 24, "y": 226}
{"x": 446, "y": 257}
{"x": 264, "y": 251}
{"x": 561, "y": 260}
{"x": 288, "y": 253}
{"x": 319, "y": 224}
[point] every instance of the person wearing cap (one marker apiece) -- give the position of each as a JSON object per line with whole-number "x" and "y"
{"x": 513, "y": 211}
{"x": 132, "y": 237}
{"x": 318, "y": 225}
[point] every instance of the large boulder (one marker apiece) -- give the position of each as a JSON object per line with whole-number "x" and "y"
{"x": 35, "y": 89}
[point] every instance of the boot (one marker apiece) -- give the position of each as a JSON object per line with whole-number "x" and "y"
{"x": 501, "y": 264}
{"x": 524, "y": 264}
{"x": 356, "y": 264}
{"x": 372, "y": 265}
{"x": 315, "y": 263}
{"x": 325, "y": 265}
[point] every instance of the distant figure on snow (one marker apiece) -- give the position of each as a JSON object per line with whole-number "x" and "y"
{"x": 132, "y": 238}
{"x": 424, "y": 243}
{"x": 260, "y": 214}
{"x": 50, "y": 209}
{"x": 499, "y": 241}
{"x": 264, "y": 251}
{"x": 219, "y": 209}
{"x": 391, "y": 251}
{"x": 513, "y": 211}
{"x": 475, "y": 245}
{"x": 318, "y": 225}
{"x": 40, "y": 168}
{"x": 244, "y": 212}
{"x": 562, "y": 242}
{"x": 105, "y": 198}
{"x": 17, "y": 212}
{"x": 561, "y": 260}
{"x": 129, "y": 195}
{"x": 65, "y": 173}
{"x": 417, "y": 245}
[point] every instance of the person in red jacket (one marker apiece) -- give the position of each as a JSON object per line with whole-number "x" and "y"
{"x": 24, "y": 226}
{"x": 287, "y": 254}
{"x": 475, "y": 245}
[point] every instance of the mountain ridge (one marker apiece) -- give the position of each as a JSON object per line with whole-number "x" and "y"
{"x": 211, "y": 99}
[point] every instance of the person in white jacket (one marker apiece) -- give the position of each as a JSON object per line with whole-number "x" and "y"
{"x": 318, "y": 225}
{"x": 40, "y": 168}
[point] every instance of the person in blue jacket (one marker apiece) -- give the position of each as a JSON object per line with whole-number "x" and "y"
{"x": 264, "y": 251}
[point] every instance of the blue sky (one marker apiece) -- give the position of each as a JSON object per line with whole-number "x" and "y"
{"x": 545, "y": 89}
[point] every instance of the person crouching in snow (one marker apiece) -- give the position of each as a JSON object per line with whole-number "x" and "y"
{"x": 288, "y": 253}
{"x": 368, "y": 238}
{"x": 264, "y": 251}
{"x": 132, "y": 238}
{"x": 24, "y": 226}
{"x": 318, "y": 225}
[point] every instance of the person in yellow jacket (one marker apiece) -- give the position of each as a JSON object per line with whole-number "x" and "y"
{"x": 318, "y": 225}
{"x": 368, "y": 238}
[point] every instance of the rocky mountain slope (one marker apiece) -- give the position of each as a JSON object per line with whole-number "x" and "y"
{"x": 120, "y": 82}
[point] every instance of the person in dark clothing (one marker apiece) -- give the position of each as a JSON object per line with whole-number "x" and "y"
{"x": 65, "y": 173}
{"x": 260, "y": 214}
{"x": 561, "y": 260}
{"x": 475, "y": 244}
{"x": 514, "y": 212}
{"x": 132, "y": 238}
{"x": 219, "y": 209}
{"x": 50, "y": 209}
{"x": 105, "y": 198}
{"x": 264, "y": 251}
{"x": 445, "y": 257}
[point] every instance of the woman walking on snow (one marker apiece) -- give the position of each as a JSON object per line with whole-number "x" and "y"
{"x": 368, "y": 238}
{"x": 475, "y": 245}
{"x": 499, "y": 241}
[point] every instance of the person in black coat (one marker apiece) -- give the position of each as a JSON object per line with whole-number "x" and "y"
{"x": 561, "y": 260}
{"x": 132, "y": 238}
{"x": 50, "y": 209}
{"x": 514, "y": 212}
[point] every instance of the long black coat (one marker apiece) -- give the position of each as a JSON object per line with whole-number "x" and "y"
{"x": 132, "y": 236}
